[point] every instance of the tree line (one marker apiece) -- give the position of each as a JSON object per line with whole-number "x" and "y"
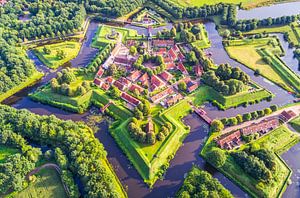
{"x": 86, "y": 155}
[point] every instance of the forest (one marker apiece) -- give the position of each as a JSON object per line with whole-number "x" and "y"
{"x": 85, "y": 155}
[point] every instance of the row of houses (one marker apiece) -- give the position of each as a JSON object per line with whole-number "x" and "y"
{"x": 234, "y": 139}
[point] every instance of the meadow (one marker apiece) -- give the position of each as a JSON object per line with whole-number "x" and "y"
{"x": 47, "y": 184}
{"x": 70, "y": 48}
{"x": 246, "y": 52}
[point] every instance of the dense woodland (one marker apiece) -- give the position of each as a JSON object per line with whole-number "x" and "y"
{"x": 15, "y": 68}
{"x": 199, "y": 183}
{"x": 85, "y": 155}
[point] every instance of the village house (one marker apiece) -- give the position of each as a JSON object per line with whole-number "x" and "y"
{"x": 2, "y": 2}
{"x": 122, "y": 83}
{"x": 100, "y": 72}
{"x": 144, "y": 79}
{"x": 134, "y": 75}
{"x": 170, "y": 66}
{"x": 182, "y": 68}
{"x": 286, "y": 116}
{"x": 173, "y": 99}
{"x": 149, "y": 128}
{"x": 97, "y": 82}
{"x": 161, "y": 95}
{"x": 156, "y": 82}
{"x": 166, "y": 76}
{"x": 110, "y": 80}
{"x": 163, "y": 43}
{"x": 135, "y": 87}
{"x": 198, "y": 70}
{"x": 172, "y": 54}
{"x": 130, "y": 99}
{"x": 229, "y": 141}
{"x": 261, "y": 127}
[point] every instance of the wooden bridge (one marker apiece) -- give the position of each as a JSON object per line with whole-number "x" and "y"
{"x": 201, "y": 113}
{"x": 106, "y": 106}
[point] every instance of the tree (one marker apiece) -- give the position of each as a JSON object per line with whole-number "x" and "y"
{"x": 217, "y": 157}
{"x": 182, "y": 86}
{"x": 46, "y": 50}
{"x": 173, "y": 32}
{"x": 151, "y": 139}
{"x": 133, "y": 50}
{"x": 115, "y": 92}
{"x": 267, "y": 111}
{"x": 247, "y": 116}
{"x": 216, "y": 126}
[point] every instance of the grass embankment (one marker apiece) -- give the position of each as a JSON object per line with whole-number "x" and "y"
{"x": 245, "y": 52}
{"x": 148, "y": 159}
{"x": 204, "y": 42}
{"x": 279, "y": 140}
{"x": 245, "y": 4}
{"x": 282, "y": 69}
{"x": 292, "y": 31}
{"x": 6, "y": 151}
{"x": 29, "y": 81}
{"x": 206, "y": 93}
{"x": 70, "y": 48}
{"x": 295, "y": 123}
{"x": 47, "y": 184}
{"x": 102, "y": 36}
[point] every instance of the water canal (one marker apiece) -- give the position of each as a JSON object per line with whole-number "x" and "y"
{"x": 188, "y": 154}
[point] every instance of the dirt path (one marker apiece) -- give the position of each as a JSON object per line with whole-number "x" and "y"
{"x": 295, "y": 108}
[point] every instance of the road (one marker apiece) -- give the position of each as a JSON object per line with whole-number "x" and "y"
{"x": 295, "y": 108}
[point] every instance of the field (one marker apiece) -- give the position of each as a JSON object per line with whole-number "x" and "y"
{"x": 6, "y": 151}
{"x": 101, "y": 39}
{"x": 245, "y": 52}
{"x": 149, "y": 159}
{"x": 206, "y": 93}
{"x": 296, "y": 124}
{"x": 47, "y": 184}
{"x": 51, "y": 60}
{"x": 279, "y": 140}
{"x": 29, "y": 81}
{"x": 245, "y": 4}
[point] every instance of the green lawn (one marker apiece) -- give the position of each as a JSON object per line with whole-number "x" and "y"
{"x": 29, "y": 81}
{"x": 48, "y": 184}
{"x": 70, "y": 48}
{"x": 245, "y": 52}
{"x": 206, "y": 93}
{"x": 296, "y": 124}
{"x": 101, "y": 39}
{"x": 6, "y": 151}
{"x": 279, "y": 141}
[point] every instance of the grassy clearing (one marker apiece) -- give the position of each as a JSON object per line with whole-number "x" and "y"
{"x": 296, "y": 124}
{"x": 6, "y": 151}
{"x": 101, "y": 39}
{"x": 206, "y": 93}
{"x": 279, "y": 140}
{"x": 149, "y": 159}
{"x": 282, "y": 69}
{"x": 47, "y": 184}
{"x": 70, "y": 48}
{"x": 29, "y": 81}
{"x": 245, "y": 52}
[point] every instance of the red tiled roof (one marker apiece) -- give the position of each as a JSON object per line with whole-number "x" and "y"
{"x": 136, "y": 87}
{"x": 262, "y": 126}
{"x": 167, "y": 60}
{"x": 124, "y": 81}
{"x": 166, "y": 76}
{"x": 173, "y": 99}
{"x": 198, "y": 70}
{"x": 172, "y": 54}
{"x": 287, "y": 115}
{"x": 181, "y": 56}
{"x": 134, "y": 75}
{"x": 105, "y": 86}
{"x": 192, "y": 88}
{"x": 110, "y": 79}
{"x": 228, "y": 138}
{"x": 2, "y": 2}
{"x": 119, "y": 85}
{"x": 175, "y": 48}
{"x": 182, "y": 68}
{"x": 100, "y": 72}
{"x": 163, "y": 43}
{"x": 97, "y": 81}
{"x": 158, "y": 97}
{"x": 144, "y": 77}
{"x": 170, "y": 66}
{"x": 130, "y": 99}
{"x": 155, "y": 80}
